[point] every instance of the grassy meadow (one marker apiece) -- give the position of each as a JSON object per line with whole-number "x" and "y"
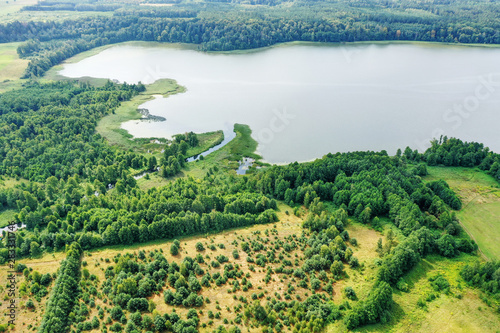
{"x": 480, "y": 195}
{"x": 10, "y": 11}
{"x": 30, "y": 319}
{"x": 458, "y": 310}
{"x": 11, "y": 67}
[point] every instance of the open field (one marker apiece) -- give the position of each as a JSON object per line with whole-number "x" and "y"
{"x": 461, "y": 310}
{"x": 11, "y": 67}
{"x": 206, "y": 141}
{"x": 8, "y": 9}
{"x": 13, "y": 13}
{"x": 6, "y": 216}
{"x": 480, "y": 195}
{"x": 29, "y": 318}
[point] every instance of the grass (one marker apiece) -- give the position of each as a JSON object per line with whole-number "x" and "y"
{"x": 360, "y": 279}
{"x": 206, "y": 141}
{"x": 48, "y": 263}
{"x": 480, "y": 195}
{"x": 225, "y": 159}
{"x": 6, "y": 216}
{"x": 11, "y": 12}
{"x": 243, "y": 145}
{"x": 288, "y": 225}
{"x": 11, "y": 67}
{"x": 461, "y": 310}
{"x": 11, "y": 182}
{"x": 447, "y": 313}
{"x": 8, "y": 9}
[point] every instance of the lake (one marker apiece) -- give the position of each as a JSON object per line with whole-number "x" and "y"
{"x": 304, "y": 100}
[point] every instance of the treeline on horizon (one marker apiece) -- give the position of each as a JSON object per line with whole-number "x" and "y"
{"x": 224, "y": 27}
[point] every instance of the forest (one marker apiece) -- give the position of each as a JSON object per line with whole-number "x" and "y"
{"x": 219, "y": 26}
{"x": 153, "y": 258}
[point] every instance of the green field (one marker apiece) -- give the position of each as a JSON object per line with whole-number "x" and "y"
{"x": 206, "y": 141}
{"x": 480, "y": 195}
{"x": 6, "y": 216}
{"x": 10, "y": 11}
{"x": 11, "y": 67}
{"x": 243, "y": 145}
{"x": 460, "y": 310}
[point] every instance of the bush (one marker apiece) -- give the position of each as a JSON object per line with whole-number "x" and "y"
{"x": 354, "y": 263}
{"x": 315, "y": 284}
{"x": 447, "y": 246}
{"x": 402, "y": 285}
{"x": 138, "y": 304}
{"x": 116, "y": 313}
{"x": 373, "y": 310}
{"x": 350, "y": 294}
{"x": 199, "y": 247}
{"x": 30, "y": 304}
{"x": 116, "y": 327}
{"x": 174, "y": 249}
{"x": 236, "y": 255}
{"x": 439, "y": 283}
{"x": 421, "y": 302}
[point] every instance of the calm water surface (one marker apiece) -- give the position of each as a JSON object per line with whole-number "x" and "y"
{"x": 303, "y": 101}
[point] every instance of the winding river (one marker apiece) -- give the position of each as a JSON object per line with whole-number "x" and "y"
{"x": 305, "y": 100}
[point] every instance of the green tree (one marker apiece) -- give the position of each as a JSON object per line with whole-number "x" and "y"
{"x": 35, "y": 249}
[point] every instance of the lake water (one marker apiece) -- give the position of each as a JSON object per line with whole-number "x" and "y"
{"x": 303, "y": 101}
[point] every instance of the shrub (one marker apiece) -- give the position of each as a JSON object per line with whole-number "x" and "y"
{"x": 174, "y": 249}
{"x": 402, "y": 285}
{"x": 350, "y": 293}
{"x": 439, "y": 283}
{"x": 199, "y": 247}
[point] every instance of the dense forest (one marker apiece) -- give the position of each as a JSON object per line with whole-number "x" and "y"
{"x": 218, "y": 26}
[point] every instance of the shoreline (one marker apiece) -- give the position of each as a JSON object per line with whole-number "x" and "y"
{"x": 110, "y": 125}
{"x": 138, "y": 101}
{"x": 53, "y": 72}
